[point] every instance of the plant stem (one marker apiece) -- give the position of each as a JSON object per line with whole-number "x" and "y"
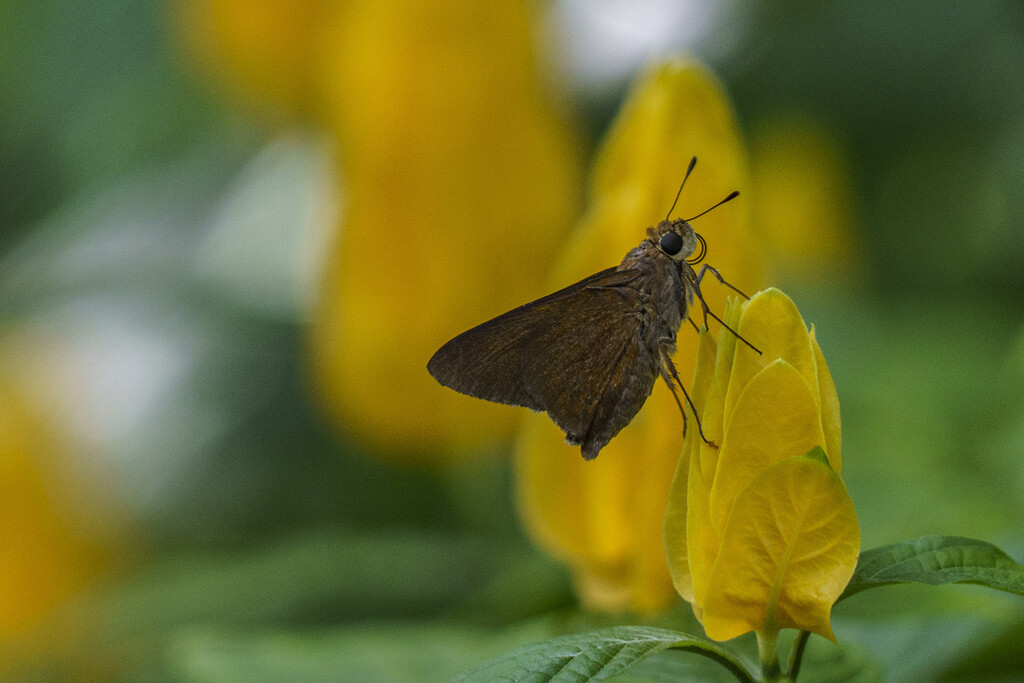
{"x": 796, "y": 655}
{"x": 714, "y": 652}
{"x": 767, "y": 648}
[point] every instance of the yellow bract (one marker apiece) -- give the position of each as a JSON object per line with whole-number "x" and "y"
{"x": 760, "y": 532}
{"x": 804, "y": 200}
{"x": 262, "y": 51}
{"x": 604, "y": 517}
{"x": 461, "y": 180}
{"x": 458, "y": 179}
{"x": 45, "y": 558}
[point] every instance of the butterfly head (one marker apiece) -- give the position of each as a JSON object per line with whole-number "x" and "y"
{"x": 677, "y": 240}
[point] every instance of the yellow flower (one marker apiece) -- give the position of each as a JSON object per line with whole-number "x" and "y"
{"x": 760, "y": 533}
{"x": 603, "y": 517}
{"x": 804, "y": 200}
{"x": 44, "y": 559}
{"x": 460, "y": 182}
{"x": 260, "y": 50}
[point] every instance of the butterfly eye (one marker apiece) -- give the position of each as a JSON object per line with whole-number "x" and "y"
{"x": 671, "y": 243}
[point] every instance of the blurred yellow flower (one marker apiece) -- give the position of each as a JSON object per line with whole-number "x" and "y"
{"x": 262, "y": 51}
{"x": 760, "y": 533}
{"x": 803, "y": 201}
{"x": 461, "y": 179}
{"x": 604, "y": 517}
{"x": 44, "y": 561}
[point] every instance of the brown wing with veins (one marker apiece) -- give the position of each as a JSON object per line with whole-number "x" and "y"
{"x": 576, "y": 354}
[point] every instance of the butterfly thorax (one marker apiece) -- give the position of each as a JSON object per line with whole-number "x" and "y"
{"x": 662, "y": 285}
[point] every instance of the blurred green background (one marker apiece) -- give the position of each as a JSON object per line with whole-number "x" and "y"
{"x": 180, "y": 503}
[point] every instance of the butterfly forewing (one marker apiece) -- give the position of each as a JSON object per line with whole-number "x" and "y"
{"x": 485, "y": 361}
{"x": 583, "y": 380}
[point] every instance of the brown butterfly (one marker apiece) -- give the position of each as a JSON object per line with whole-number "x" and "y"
{"x": 589, "y": 354}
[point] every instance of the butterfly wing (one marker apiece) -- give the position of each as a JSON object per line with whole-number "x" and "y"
{"x": 577, "y": 354}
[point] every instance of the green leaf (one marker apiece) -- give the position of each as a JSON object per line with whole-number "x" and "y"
{"x": 595, "y": 656}
{"x": 845, "y": 662}
{"x": 670, "y": 666}
{"x": 937, "y": 560}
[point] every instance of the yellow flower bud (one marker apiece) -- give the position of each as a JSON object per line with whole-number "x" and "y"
{"x": 760, "y": 532}
{"x": 603, "y": 517}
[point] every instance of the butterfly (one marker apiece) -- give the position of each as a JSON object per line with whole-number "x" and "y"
{"x": 589, "y": 354}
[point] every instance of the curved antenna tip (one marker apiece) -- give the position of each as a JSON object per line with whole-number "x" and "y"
{"x": 689, "y": 170}
{"x": 732, "y": 195}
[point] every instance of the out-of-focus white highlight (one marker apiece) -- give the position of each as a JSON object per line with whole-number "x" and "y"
{"x": 601, "y": 42}
{"x": 267, "y": 240}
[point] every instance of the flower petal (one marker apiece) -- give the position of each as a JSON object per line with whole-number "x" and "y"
{"x": 702, "y": 540}
{"x": 676, "y": 512}
{"x": 771, "y": 322}
{"x": 701, "y": 536}
{"x": 727, "y": 342}
{"x": 829, "y": 409}
{"x": 601, "y": 516}
{"x": 788, "y": 551}
{"x": 776, "y": 417}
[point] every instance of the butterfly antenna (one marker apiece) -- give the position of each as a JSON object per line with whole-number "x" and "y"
{"x": 689, "y": 170}
{"x": 732, "y": 195}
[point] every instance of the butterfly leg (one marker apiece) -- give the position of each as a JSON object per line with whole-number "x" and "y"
{"x": 707, "y": 310}
{"x": 718, "y": 276}
{"x": 671, "y": 377}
